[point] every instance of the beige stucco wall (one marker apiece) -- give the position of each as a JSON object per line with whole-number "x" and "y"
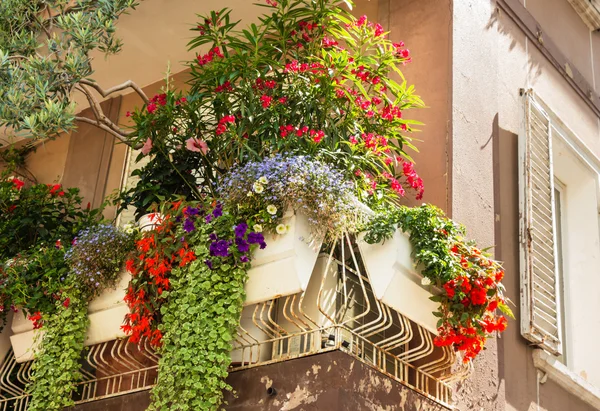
{"x": 521, "y": 65}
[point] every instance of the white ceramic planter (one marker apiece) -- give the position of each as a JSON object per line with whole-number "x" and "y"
{"x": 395, "y": 280}
{"x": 148, "y": 222}
{"x": 253, "y": 334}
{"x": 106, "y": 313}
{"x": 285, "y": 265}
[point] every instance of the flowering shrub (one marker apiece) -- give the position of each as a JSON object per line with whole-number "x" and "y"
{"x": 186, "y": 296}
{"x": 167, "y": 247}
{"x": 310, "y": 79}
{"x": 33, "y": 281}
{"x": 470, "y": 279}
{"x": 97, "y": 256}
{"x": 262, "y": 191}
{"x": 39, "y": 214}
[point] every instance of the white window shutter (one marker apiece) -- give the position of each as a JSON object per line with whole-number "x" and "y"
{"x": 540, "y": 304}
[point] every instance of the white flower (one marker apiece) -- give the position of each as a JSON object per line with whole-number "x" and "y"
{"x": 250, "y": 194}
{"x": 425, "y": 281}
{"x": 281, "y": 229}
{"x": 258, "y": 188}
{"x": 271, "y": 209}
{"x": 257, "y": 228}
{"x": 129, "y": 231}
{"x": 263, "y": 180}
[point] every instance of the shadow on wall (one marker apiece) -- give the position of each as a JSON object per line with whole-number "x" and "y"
{"x": 513, "y": 40}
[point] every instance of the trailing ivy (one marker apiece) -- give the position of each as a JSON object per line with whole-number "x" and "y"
{"x": 469, "y": 277}
{"x": 186, "y": 297}
{"x": 55, "y": 371}
{"x": 94, "y": 262}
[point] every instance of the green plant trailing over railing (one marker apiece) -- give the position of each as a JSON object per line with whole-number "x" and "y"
{"x": 94, "y": 262}
{"x": 55, "y": 371}
{"x": 202, "y": 264}
{"x": 470, "y": 278}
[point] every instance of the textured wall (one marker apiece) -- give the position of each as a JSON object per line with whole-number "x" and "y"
{"x": 474, "y": 114}
{"x": 425, "y": 27}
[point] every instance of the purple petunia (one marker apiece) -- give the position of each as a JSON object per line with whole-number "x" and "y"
{"x": 244, "y": 259}
{"x": 208, "y": 264}
{"x": 242, "y": 245}
{"x": 257, "y": 238}
{"x": 218, "y": 211}
{"x": 208, "y": 218}
{"x": 191, "y": 211}
{"x": 213, "y": 237}
{"x": 240, "y": 230}
{"x": 188, "y": 225}
{"x": 219, "y": 248}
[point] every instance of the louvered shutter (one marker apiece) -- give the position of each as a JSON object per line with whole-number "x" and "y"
{"x": 589, "y": 11}
{"x": 540, "y": 311}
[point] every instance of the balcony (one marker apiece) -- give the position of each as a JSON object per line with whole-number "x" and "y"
{"x": 337, "y": 311}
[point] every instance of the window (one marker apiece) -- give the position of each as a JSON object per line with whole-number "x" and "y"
{"x": 560, "y": 241}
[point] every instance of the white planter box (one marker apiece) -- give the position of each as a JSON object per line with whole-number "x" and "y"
{"x": 106, "y": 313}
{"x": 285, "y": 265}
{"x": 253, "y": 334}
{"x": 148, "y": 222}
{"x": 395, "y": 280}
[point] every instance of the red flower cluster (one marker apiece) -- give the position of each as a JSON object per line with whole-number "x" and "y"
{"x": 17, "y": 184}
{"x": 222, "y": 126}
{"x": 224, "y": 87}
{"x": 151, "y": 266}
{"x": 402, "y": 52}
{"x": 261, "y": 84}
{"x": 295, "y": 67}
{"x": 413, "y": 179}
{"x": 315, "y": 135}
{"x": 476, "y": 290}
{"x": 157, "y": 100}
{"x": 36, "y": 319}
{"x": 265, "y": 101}
{"x": 56, "y": 190}
{"x": 208, "y": 57}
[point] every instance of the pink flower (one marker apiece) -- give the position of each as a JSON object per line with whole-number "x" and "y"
{"x": 147, "y": 147}
{"x": 151, "y": 108}
{"x": 197, "y": 145}
{"x": 353, "y": 140}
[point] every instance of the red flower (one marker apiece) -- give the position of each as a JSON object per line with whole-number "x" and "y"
{"x": 37, "y": 320}
{"x": 66, "y": 302}
{"x": 449, "y": 287}
{"x": 492, "y": 305}
{"x": 265, "y": 101}
{"x": 478, "y": 296}
{"x": 18, "y": 184}
{"x": 499, "y": 276}
{"x": 56, "y": 189}
{"x": 58, "y": 244}
{"x": 151, "y": 108}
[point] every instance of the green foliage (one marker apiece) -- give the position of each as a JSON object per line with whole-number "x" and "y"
{"x": 471, "y": 280}
{"x": 39, "y": 215}
{"x": 45, "y": 48}
{"x": 432, "y": 236}
{"x": 55, "y": 371}
{"x": 35, "y": 280}
{"x": 199, "y": 322}
{"x": 161, "y": 180}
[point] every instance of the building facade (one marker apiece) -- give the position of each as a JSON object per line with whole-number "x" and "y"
{"x": 510, "y": 148}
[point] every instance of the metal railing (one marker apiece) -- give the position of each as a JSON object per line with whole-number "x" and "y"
{"x": 337, "y": 311}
